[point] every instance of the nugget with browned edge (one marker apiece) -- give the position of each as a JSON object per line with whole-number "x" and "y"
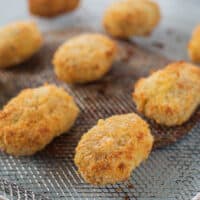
{"x": 128, "y": 18}
{"x": 194, "y": 45}
{"x": 84, "y": 58}
{"x": 109, "y": 151}
{"x": 33, "y": 118}
{"x": 18, "y": 42}
{"x": 52, "y": 8}
{"x": 170, "y": 95}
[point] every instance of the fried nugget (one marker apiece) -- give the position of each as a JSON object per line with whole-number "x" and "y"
{"x": 170, "y": 95}
{"x": 109, "y": 151}
{"x": 84, "y": 58}
{"x": 128, "y": 18}
{"x": 52, "y": 8}
{"x": 194, "y": 45}
{"x": 32, "y": 119}
{"x": 18, "y": 42}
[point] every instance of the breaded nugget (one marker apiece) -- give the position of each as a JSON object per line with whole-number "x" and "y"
{"x": 18, "y": 42}
{"x": 32, "y": 119}
{"x": 194, "y": 45}
{"x": 128, "y": 18}
{"x": 51, "y": 8}
{"x": 109, "y": 151}
{"x": 84, "y": 58}
{"x": 170, "y": 95}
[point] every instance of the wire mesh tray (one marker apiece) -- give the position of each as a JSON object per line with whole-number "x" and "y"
{"x": 170, "y": 173}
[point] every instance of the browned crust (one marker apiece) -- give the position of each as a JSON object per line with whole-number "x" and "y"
{"x": 171, "y": 95}
{"x": 52, "y": 8}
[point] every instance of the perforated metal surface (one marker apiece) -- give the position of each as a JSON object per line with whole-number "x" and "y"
{"x": 11, "y": 191}
{"x": 170, "y": 173}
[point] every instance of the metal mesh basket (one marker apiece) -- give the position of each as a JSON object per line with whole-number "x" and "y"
{"x": 170, "y": 173}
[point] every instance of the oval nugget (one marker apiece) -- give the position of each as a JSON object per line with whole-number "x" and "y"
{"x": 18, "y": 42}
{"x": 128, "y": 18}
{"x": 170, "y": 95}
{"x": 51, "y": 8}
{"x": 33, "y": 118}
{"x": 194, "y": 45}
{"x": 109, "y": 151}
{"x": 84, "y": 58}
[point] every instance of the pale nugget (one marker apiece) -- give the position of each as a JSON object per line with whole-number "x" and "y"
{"x": 170, "y": 95}
{"x": 84, "y": 58}
{"x": 33, "y": 118}
{"x": 18, "y": 42}
{"x": 51, "y": 8}
{"x": 128, "y": 18}
{"x": 194, "y": 45}
{"x": 109, "y": 151}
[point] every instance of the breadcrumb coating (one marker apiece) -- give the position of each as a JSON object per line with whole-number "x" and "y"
{"x": 126, "y": 18}
{"x": 194, "y": 45}
{"x": 84, "y": 58}
{"x": 109, "y": 151}
{"x": 52, "y": 8}
{"x": 33, "y": 118}
{"x": 170, "y": 95}
{"x": 18, "y": 42}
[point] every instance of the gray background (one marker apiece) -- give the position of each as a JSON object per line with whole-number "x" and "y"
{"x": 177, "y": 171}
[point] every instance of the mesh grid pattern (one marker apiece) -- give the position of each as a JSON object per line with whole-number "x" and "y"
{"x": 170, "y": 173}
{"x": 12, "y": 191}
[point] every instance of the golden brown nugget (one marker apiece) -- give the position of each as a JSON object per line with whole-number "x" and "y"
{"x": 33, "y": 118}
{"x": 170, "y": 95}
{"x": 194, "y": 45}
{"x": 52, "y": 8}
{"x": 84, "y": 58}
{"x": 18, "y": 42}
{"x": 128, "y": 18}
{"x": 109, "y": 151}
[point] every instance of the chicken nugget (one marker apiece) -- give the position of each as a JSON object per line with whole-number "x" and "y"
{"x": 109, "y": 151}
{"x": 18, "y": 42}
{"x": 194, "y": 45}
{"x": 84, "y": 58}
{"x": 170, "y": 95}
{"x": 33, "y": 118}
{"x": 128, "y": 18}
{"x": 52, "y": 8}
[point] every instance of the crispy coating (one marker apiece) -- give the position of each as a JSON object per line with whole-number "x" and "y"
{"x": 194, "y": 45}
{"x": 84, "y": 58}
{"x": 52, "y": 8}
{"x": 171, "y": 95}
{"x": 128, "y": 18}
{"x": 18, "y": 42}
{"x": 33, "y": 118}
{"x": 109, "y": 151}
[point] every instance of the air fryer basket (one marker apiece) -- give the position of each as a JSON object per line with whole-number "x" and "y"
{"x": 172, "y": 172}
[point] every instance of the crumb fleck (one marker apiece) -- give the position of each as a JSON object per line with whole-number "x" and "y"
{"x": 157, "y": 44}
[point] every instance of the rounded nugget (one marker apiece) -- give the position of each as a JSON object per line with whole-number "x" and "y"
{"x": 84, "y": 58}
{"x": 32, "y": 119}
{"x": 51, "y": 8}
{"x": 18, "y": 42}
{"x": 194, "y": 45}
{"x": 109, "y": 151}
{"x": 128, "y": 18}
{"x": 170, "y": 95}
